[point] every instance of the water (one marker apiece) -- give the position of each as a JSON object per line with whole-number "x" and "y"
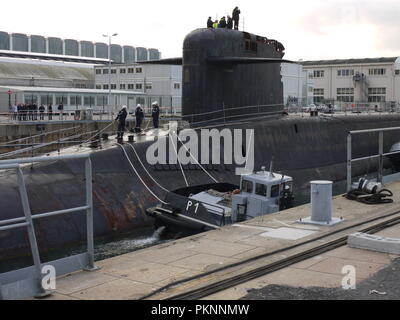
{"x": 104, "y": 248}
{"x": 115, "y": 248}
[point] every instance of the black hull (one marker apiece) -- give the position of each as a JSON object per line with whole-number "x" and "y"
{"x": 305, "y": 149}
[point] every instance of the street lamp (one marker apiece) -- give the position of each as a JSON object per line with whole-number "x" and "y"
{"x": 109, "y": 68}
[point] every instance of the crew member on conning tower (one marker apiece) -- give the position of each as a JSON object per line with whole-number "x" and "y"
{"x": 235, "y": 17}
{"x": 209, "y": 23}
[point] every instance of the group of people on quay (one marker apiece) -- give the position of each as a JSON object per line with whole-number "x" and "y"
{"x": 33, "y": 112}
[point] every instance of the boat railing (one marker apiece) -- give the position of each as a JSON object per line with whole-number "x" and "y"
{"x": 28, "y": 282}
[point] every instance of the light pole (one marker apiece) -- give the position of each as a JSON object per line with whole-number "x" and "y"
{"x": 109, "y": 69}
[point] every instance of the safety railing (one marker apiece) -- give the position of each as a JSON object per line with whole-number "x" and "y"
{"x": 229, "y": 113}
{"x": 27, "y": 282}
{"x": 346, "y": 108}
{"x": 378, "y": 156}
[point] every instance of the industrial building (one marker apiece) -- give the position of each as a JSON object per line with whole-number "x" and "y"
{"x": 19, "y": 42}
{"x": 25, "y": 80}
{"x": 297, "y": 85}
{"x": 371, "y": 82}
{"x": 44, "y": 70}
{"x": 162, "y": 83}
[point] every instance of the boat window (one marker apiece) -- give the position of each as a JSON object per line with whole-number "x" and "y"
{"x": 247, "y": 186}
{"x": 275, "y": 191}
{"x": 261, "y": 190}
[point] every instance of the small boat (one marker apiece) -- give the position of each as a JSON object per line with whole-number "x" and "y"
{"x": 195, "y": 209}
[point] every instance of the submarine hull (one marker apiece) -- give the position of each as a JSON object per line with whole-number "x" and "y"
{"x": 304, "y": 148}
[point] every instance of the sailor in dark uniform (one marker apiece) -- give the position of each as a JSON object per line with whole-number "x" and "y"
{"x": 121, "y": 117}
{"x": 209, "y": 23}
{"x": 229, "y": 24}
{"x": 235, "y": 17}
{"x": 155, "y": 113}
{"x": 139, "y": 117}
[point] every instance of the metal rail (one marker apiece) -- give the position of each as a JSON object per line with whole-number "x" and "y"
{"x": 380, "y": 154}
{"x": 27, "y": 282}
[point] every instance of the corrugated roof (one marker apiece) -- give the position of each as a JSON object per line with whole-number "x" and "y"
{"x": 349, "y": 61}
{"x": 40, "y": 71}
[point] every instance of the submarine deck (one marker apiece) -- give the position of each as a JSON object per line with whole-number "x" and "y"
{"x": 246, "y": 246}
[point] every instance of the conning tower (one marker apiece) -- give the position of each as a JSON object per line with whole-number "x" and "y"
{"x": 230, "y": 75}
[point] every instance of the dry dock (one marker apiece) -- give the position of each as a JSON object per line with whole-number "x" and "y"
{"x": 273, "y": 249}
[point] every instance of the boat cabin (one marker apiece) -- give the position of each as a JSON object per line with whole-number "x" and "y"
{"x": 261, "y": 193}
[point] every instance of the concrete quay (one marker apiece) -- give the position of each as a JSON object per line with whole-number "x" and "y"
{"x": 263, "y": 240}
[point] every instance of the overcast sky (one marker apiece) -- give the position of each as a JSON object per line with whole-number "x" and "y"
{"x": 309, "y": 29}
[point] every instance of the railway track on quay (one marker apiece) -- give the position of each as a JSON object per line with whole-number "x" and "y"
{"x": 197, "y": 291}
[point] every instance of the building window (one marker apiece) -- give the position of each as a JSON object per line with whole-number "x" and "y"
{"x": 149, "y": 86}
{"x": 88, "y": 101}
{"x": 377, "y": 72}
{"x": 345, "y": 94}
{"x": 113, "y": 71}
{"x": 113, "y": 86}
{"x": 29, "y": 98}
{"x": 98, "y": 71}
{"x": 318, "y": 95}
{"x": 397, "y": 72}
{"x": 345, "y": 73}
{"x": 105, "y": 71}
{"x": 102, "y": 100}
{"x": 60, "y": 99}
{"x": 122, "y": 86}
{"x": 46, "y": 100}
{"x": 376, "y": 94}
{"x": 319, "y": 73}
{"x": 98, "y": 86}
{"x": 138, "y": 70}
{"x": 105, "y": 86}
{"x": 139, "y": 86}
{"x": 177, "y": 86}
{"x": 130, "y": 86}
{"x": 140, "y": 100}
{"x": 75, "y": 100}
{"x": 131, "y": 70}
{"x": 122, "y": 70}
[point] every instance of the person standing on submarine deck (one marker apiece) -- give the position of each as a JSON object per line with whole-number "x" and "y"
{"x": 139, "y": 117}
{"x": 121, "y": 117}
{"x": 155, "y": 113}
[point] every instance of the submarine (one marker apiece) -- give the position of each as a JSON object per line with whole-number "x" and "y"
{"x": 232, "y": 81}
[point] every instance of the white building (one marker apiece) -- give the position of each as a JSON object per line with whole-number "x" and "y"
{"x": 162, "y": 83}
{"x": 297, "y": 85}
{"x": 366, "y": 81}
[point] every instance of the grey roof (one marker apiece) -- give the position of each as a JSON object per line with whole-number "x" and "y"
{"x": 41, "y": 71}
{"x": 348, "y": 61}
